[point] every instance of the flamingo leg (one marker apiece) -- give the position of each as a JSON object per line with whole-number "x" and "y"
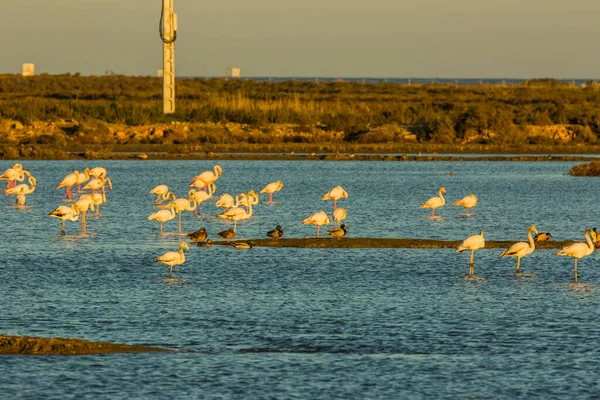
{"x": 79, "y": 187}
{"x": 83, "y": 225}
{"x": 468, "y": 212}
{"x": 171, "y": 272}
{"x": 62, "y": 229}
{"x": 157, "y": 199}
{"x": 161, "y": 231}
{"x": 576, "y": 271}
{"x": 432, "y": 211}
{"x": 518, "y": 271}
{"x": 68, "y": 192}
{"x": 271, "y": 197}
{"x": 334, "y": 204}
{"x": 319, "y": 229}
{"x": 471, "y": 266}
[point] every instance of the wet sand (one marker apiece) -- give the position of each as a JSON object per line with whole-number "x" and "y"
{"x": 26, "y": 345}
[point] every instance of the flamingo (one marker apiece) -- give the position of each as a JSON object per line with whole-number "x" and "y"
{"x": 521, "y": 249}
{"x": 579, "y": 250}
{"x": 336, "y": 193}
{"x": 16, "y": 173}
{"x": 23, "y": 188}
{"x": 182, "y": 204}
{"x": 467, "y": 202}
{"x": 272, "y": 188}
{"x": 435, "y": 202}
{"x": 317, "y": 219}
{"x": 98, "y": 199}
{"x": 225, "y": 201}
{"x": 161, "y": 191}
{"x": 69, "y": 181}
{"x": 471, "y": 243}
{"x": 82, "y": 178}
{"x": 98, "y": 172}
{"x": 339, "y": 214}
{"x": 163, "y": 216}
{"x": 65, "y": 213}
{"x": 242, "y": 199}
{"x": 237, "y": 213}
{"x": 97, "y": 183}
{"x": 207, "y": 177}
{"x": 84, "y": 204}
{"x": 201, "y": 196}
{"x": 172, "y": 258}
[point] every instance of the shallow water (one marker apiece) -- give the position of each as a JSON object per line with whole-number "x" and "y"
{"x": 307, "y": 323}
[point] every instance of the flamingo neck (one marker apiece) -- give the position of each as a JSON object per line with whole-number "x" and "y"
{"x": 441, "y": 196}
{"x": 531, "y": 242}
{"x": 588, "y": 239}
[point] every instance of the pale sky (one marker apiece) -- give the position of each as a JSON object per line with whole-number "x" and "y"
{"x": 309, "y": 38}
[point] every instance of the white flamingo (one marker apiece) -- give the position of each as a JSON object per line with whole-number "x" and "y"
{"x": 161, "y": 192}
{"x": 236, "y": 214}
{"x": 226, "y": 201}
{"x": 98, "y": 199}
{"x": 207, "y": 177}
{"x": 472, "y": 243}
{"x": 272, "y": 188}
{"x": 83, "y": 204}
{"x": 467, "y": 202}
{"x": 180, "y": 205}
{"x": 317, "y": 219}
{"x": 23, "y": 188}
{"x": 163, "y": 216}
{"x": 339, "y": 214}
{"x": 65, "y": 213}
{"x": 98, "y": 172}
{"x": 242, "y": 199}
{"x": 521, "y": 249}
{"x": 335, "y": 194}
{"x": 435, "y": 202}
{"x": 69, "y": 181}
{"x": 172, "y": 258}
{"x": 97, "y": 183}
{"x": 82, "y": 178}
{"x": 579, "y": 250}
{"x": 201, "y": 196}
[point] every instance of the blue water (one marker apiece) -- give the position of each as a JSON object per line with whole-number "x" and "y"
{"x": 306, "y": 323}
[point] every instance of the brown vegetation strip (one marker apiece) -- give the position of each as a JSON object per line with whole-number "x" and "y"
{"x": 26, "y": 345}
{"x": 356, "y": 243}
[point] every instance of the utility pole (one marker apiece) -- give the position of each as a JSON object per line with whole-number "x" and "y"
{"x": 168, "y": 34}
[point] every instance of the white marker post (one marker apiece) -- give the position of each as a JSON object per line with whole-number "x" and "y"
{"x": 168, "y": 34}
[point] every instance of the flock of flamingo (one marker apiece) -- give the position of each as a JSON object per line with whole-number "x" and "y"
{"x": 203, "y": 188}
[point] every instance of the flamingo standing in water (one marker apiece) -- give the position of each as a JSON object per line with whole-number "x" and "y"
{"x": 98, "y": 172}
{"x": 272, "y": 188}
{"x": 242, "y": 199}
{"x": 317, "y": 219}
{"x": 65, "y": 213}
{"x": 226, "y": 201}
{"x": 472, "y": 243}
{"x": 467, "y": 202}
{"x": 521, "y": 249}
{"x": 435, "y": 202}
{"x": 207, "y": 177}
{"x": 84, "y": 204}
{"x": 11, "y": 175}
{"x": 82, "y": 178}
{"x": 21, "y": 190}
{"x": 201, "y": 196}
{"x": 69, "y": 181}
{"x": 172, "y": 258}
{"x": 97, "y": 183}
{"x": 182, "y": 204}
{"x": 339, "y": 214}
{"x": 579, "y": 250}
{"x": 98, "y": 199}
{"x": 335, "y": 194}
{"x": 237, "y": 213}
{"x": 163, "y": 216}
{"x": 161, "y": 192}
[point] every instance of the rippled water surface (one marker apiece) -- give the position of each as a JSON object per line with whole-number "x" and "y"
{"x": 307, "y": 323}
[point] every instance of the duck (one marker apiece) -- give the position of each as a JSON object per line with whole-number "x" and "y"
{"x": 208, "y": 243}
{"x": 199, "y": 235}
{"x": 276, "y": 233}
{"x": 338, "y": 232}
{"x": 243, "y": 245}
{"x": 227, "y": 234}
{"x": 542, "y": 236}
